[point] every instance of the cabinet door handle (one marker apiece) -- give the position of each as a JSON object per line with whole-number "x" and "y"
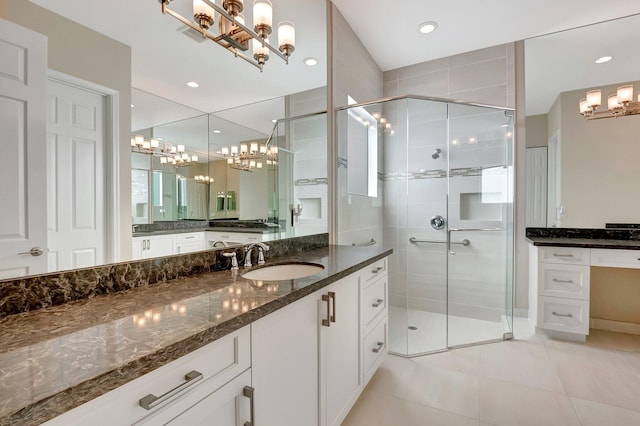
{"x": 189, "y": 238}
{"x": 555, "y": 280}
{"x": 378, "y": 269}
{"x": 332, "y": 295}
{"x": 562, "y": 315}
{"x": 327, "y": 322}
{"x": 378, "y": 303}
{"x": 562, "y": 255}
{"x": 148, "y": 244}
{"x": 248, "y": 392}
{"x": 378, "y": 347}
{"x": 150, "y": 401}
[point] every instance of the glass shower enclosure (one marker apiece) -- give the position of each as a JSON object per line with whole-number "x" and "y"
{"x": 433, "y": 179}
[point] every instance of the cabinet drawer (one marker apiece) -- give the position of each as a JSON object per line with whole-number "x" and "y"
{"x": 190, "y": 237}
{"x": 374, "y": 301}
{"x": 568, "y": 315}
{"x": 375, "y": 346}
{"x": 570, "y": 281}
{"x": 217, "y": 362}
{"x": 615, "y": 258}
{"x": 571, "y": 255}
{"x": 371, "y": 272}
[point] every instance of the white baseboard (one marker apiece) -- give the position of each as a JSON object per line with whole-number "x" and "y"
{"x": 618, "y": 326}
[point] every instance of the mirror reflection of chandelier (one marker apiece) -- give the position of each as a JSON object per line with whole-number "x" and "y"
{"x": 233, "y": 35}
{"x": 250, "y": 156}
{"x": 175, "y": 155}
{"x": 618, "y": 105}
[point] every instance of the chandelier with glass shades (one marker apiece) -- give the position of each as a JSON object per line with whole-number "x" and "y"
{"x": 175, "y": 155}
{"x": 233, "y": 34}
{"x": 250, "y": 156}
{"x": 619, "y": 104}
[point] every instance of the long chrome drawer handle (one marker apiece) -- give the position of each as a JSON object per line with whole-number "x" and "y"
{"x": 248, "y": 392}
{"x": 378, "y": 303}
{"x": 150, "y": 401}
{"x": 332, "y": 295}
{"x": 378, "y": 347}
{"x": 562, "y": 255}
{"x": 555, "y": 280}
{"x": 562, "y": 315}
{"x": 327, "y": 322}
{"x": 378, "y": 269}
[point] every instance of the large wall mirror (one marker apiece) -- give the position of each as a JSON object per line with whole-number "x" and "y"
{"x": 581, "y": 173}
{"x": 235, "y": 104}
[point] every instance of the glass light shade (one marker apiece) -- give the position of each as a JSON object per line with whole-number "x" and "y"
{"x": 139, "y": 140}
{"x": 258, "y": 49}
{"x": 240, "y": 18}
{"x": 594, "y": 98}
{"x": 133, "y": 141}
{"x": 274, "y": 149}
{"x": 201, "y": 8}
{"x": 163, "y": 160}
{"x": 174, "y": 149}
{"x": 234, "y": 149}
{"x": 252, "y": 163}
{"x": 229, "y": 160}
{"x": 259, "y": 164}
{"x": 243, "y": 148}
{"x": 254, "y": 147}
{"x": 263, "y": 149}
{"x": 185, "y": 156}
{"x": 612, "y": 102}
{"x": 194, "y": 158}
{"x": 625, "y": 94}
{"x": 583, "y": 106}
{"x": 286, "y": 34}
{"x": 262, "y": 13}
{"x": 225, "y": 150}
{"x": 155, "y": 143}
{"x": 146, "y": 145}
{"x": 180, "y": 148}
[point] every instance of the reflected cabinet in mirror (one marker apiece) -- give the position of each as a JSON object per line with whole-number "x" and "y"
{"x": 86, "y": 189}
{"x": 588, "y": 173}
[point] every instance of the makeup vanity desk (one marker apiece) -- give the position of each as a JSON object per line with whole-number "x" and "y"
{"x": 560, "y": 261}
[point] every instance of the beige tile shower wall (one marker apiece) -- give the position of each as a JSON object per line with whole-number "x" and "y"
{"x": 354, "y": 74}
{"x": 81, "y": 52}
{"x": 484, "y": 76}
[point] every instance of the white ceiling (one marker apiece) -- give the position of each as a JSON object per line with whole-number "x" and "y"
{"x": 163, "y": 59}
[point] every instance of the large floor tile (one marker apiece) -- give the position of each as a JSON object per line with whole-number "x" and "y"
{"x": 393, "y": 371}
{"x": 464, "y": 360}
{"x": 586, "y": 356}
{"x": 442, "y": 389}
{"x": 612, "y": 340}
{"x": 596, "y": 414}
{"x": 406, "y": 413}
{"x": 632, "y": 359}
{"x": 368, "y": 410}
{"x": 522, "y": 363}
{"x": 606, "y": 385}
{"x": 504, "y": 403}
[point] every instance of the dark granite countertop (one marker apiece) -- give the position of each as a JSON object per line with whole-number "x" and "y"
{"x": 585, "y": 242}
{"x": 54, "y": 359}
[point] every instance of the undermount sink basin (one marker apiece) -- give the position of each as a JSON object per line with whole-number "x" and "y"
{"x": 287, "y": 271}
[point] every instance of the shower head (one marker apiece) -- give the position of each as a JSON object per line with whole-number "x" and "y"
{"x": 436, "y": 154}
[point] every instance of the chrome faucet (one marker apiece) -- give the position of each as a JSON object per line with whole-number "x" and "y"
{"x": 234, "y": 260}
{"x": 262, "y": 247}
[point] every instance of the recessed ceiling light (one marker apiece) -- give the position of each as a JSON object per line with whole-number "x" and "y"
{"x": 274, "y": 121}
{"x": 193, "y": 84}
{"x": 132, "y": 106}
{"x": 427, "y": 27}
{"x": 217, "y": 131}
{"x": 603, "y": 59}
{"x": 310, "y": 61}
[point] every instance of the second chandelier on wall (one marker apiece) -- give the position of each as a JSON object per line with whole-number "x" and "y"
{"x": 233, "y": 35}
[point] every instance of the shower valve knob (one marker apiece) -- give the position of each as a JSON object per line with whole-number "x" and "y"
{"x": 438, "y": 222}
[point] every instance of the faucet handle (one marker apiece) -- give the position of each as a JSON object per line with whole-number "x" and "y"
{"x": 261, "y": 255}
{"x": 247, "y": 257}
{"x": 234, "y": 260}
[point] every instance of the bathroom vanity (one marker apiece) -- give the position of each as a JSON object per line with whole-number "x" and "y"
{"x": 213, "y": 344}
{"x": 560, "y": 262}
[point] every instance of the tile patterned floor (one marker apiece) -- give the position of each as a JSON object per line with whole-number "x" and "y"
{"x": 531, "y": 381}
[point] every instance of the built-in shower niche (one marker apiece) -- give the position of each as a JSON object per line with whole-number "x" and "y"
{"x": 481, "y": 206}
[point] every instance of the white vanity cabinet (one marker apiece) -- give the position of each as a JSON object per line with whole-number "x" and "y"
{"x": 375, "y": 316}
{"x": 152, "y": 246}
{"x": 236, "y": 237}
{"x": 190, "y": 242}
{"x": 210, "y": 380}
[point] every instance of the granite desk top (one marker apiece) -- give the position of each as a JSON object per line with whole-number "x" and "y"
{"x": 585, "y": 242}
{"x": 57, "y": 358}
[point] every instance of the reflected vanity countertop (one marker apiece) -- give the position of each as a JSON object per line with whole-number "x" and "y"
{"x": 215, "y": 229}
{"x": 585, "y": 243}
{"x": 166, "y": 232}
{"x": 57, "y": 358}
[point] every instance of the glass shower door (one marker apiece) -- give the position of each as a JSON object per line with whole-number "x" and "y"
{"x": 480, "y": 206}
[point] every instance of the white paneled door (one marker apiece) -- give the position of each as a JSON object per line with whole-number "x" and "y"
{"x": 76, "y": 177}
{"x": 23, "y": 232}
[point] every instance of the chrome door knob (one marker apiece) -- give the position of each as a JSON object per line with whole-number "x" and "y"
{"x": 36, "y": 251}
